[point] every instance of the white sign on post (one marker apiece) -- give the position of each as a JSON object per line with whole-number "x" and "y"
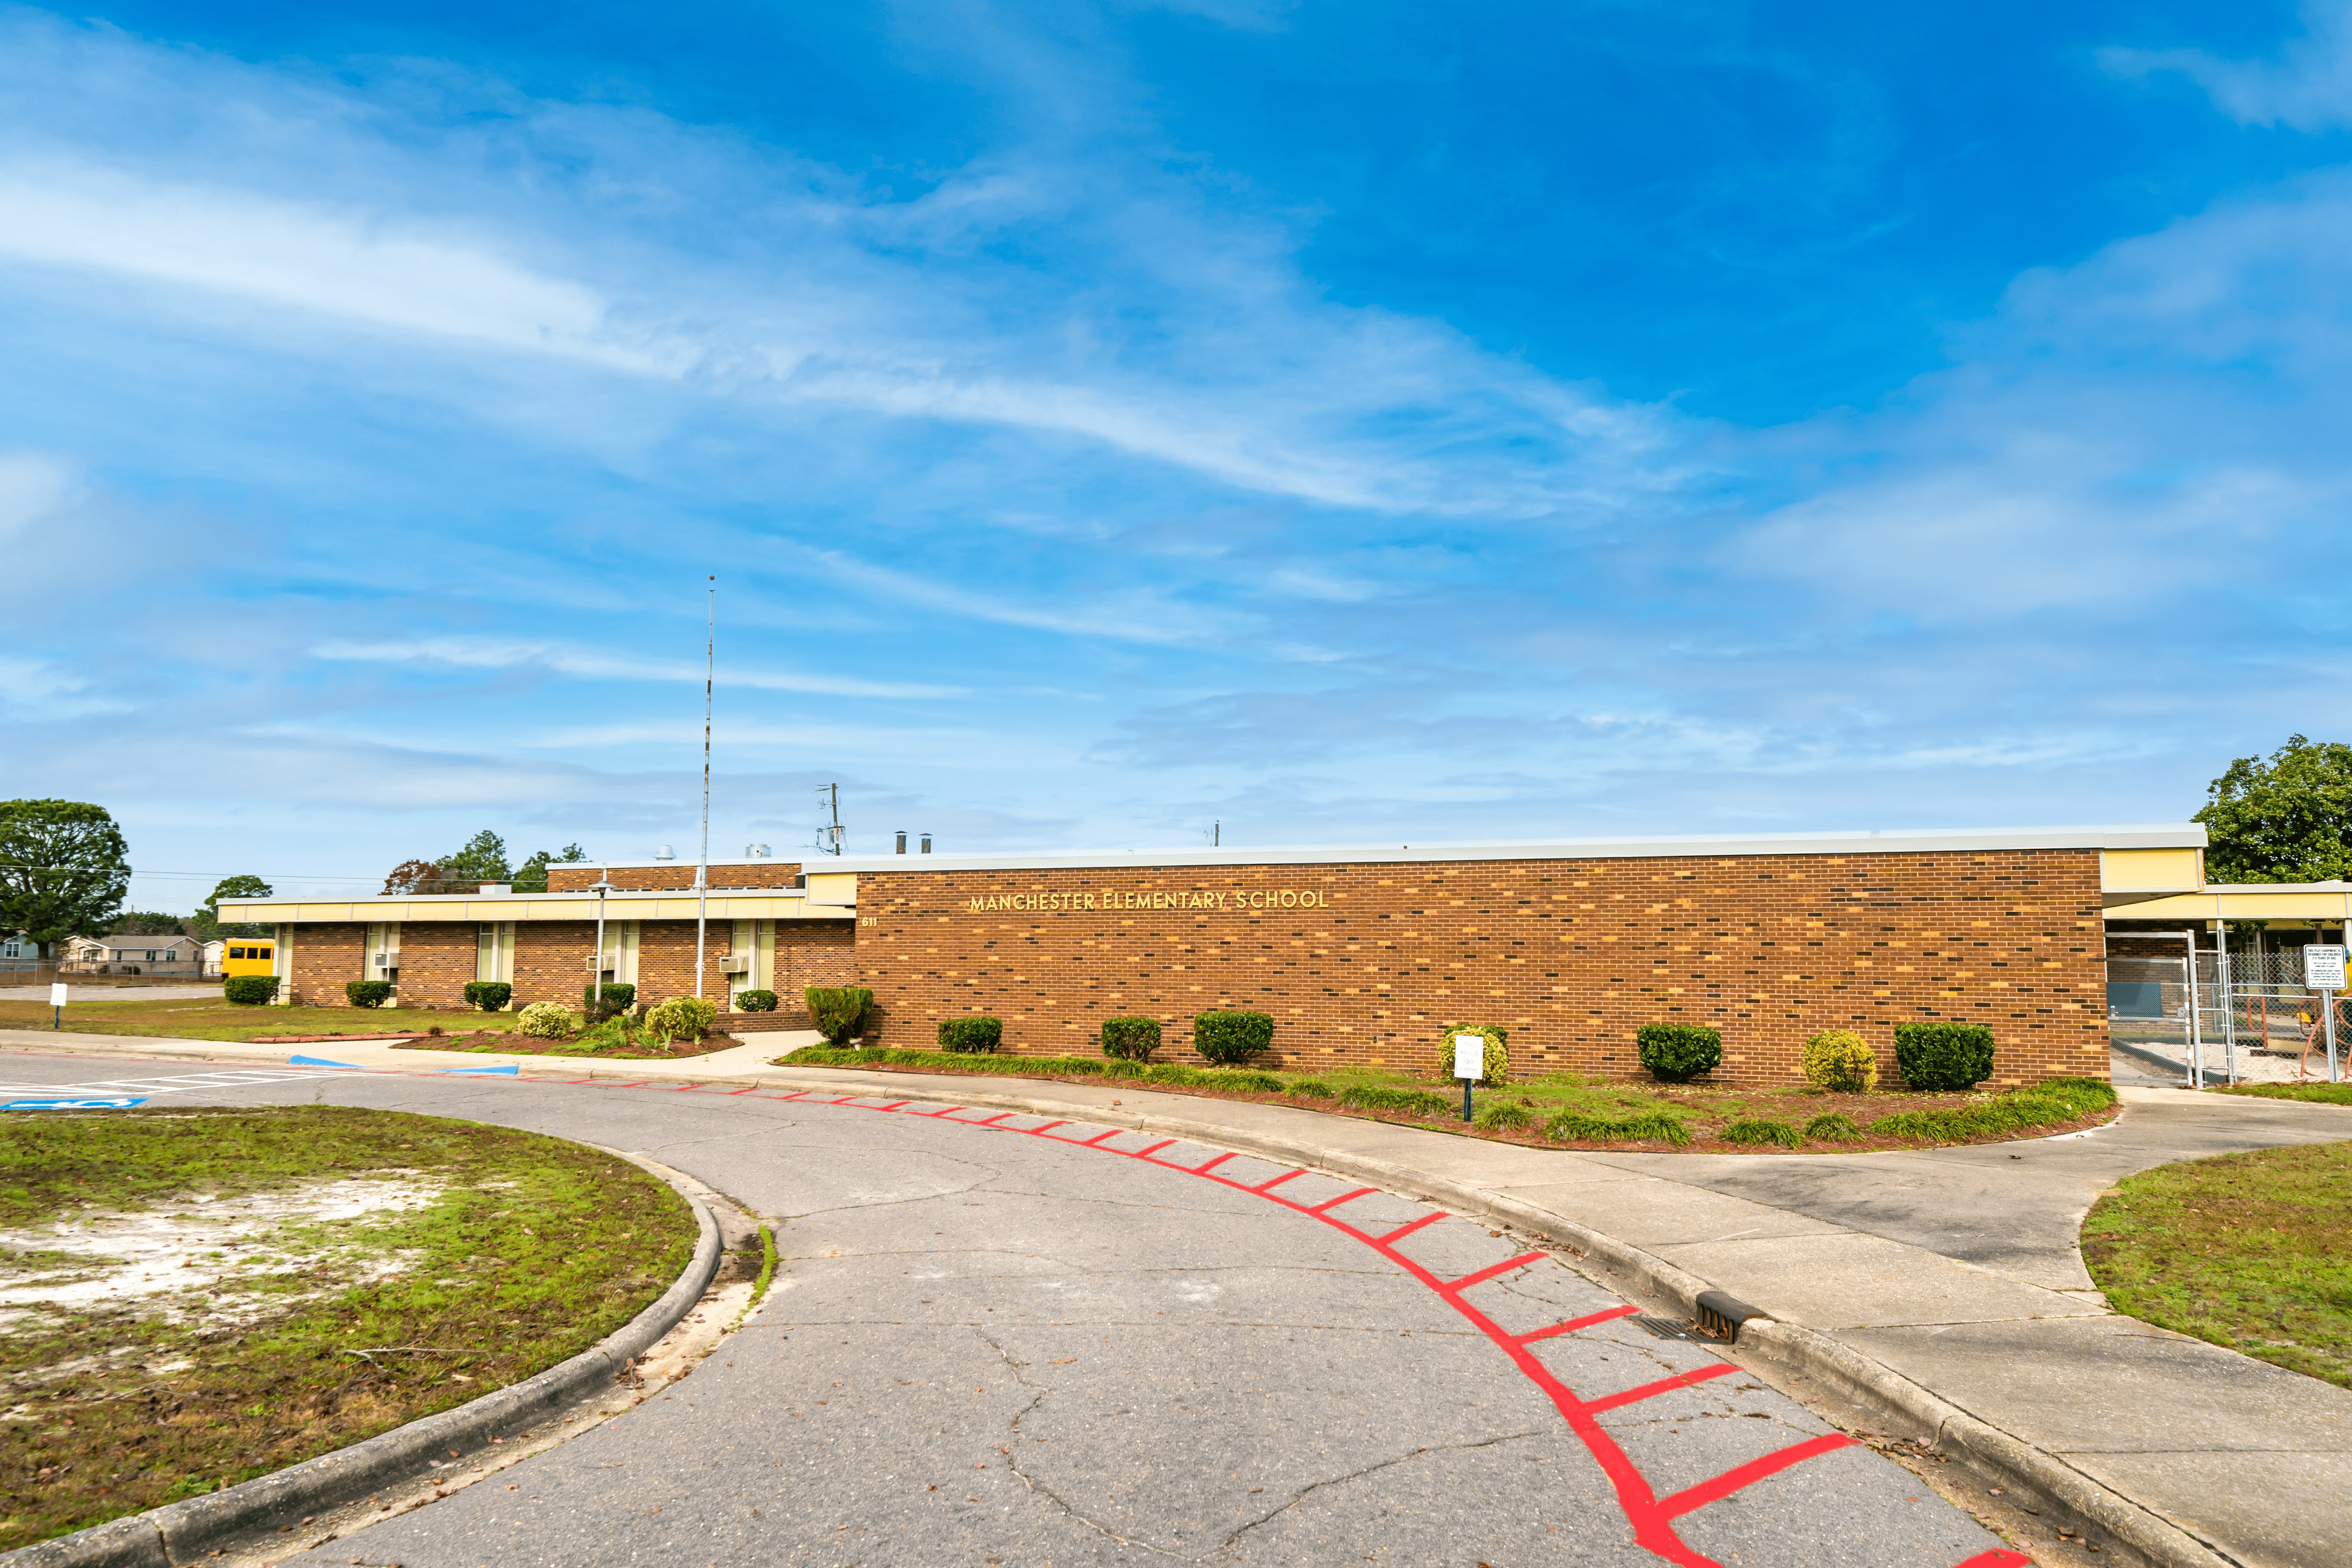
{"x": 1469, "y": 1055}
{"x": 57, "y": 993}
{"x": 2323, "y": 966}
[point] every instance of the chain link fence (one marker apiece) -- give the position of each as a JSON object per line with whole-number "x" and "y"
{"x": 2249, "y": 1016}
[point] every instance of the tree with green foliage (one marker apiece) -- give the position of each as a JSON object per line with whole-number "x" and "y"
{"x": 206, "y": 922}
{"x": 2283, "y": 818}
{"x": 63, "y": 870}
{"x": 532, "y": 877}
{"x": 481, "y": 858}
{"x": 148, "y": 922}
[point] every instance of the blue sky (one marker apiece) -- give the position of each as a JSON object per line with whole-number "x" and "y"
{"x": 1343, "y": 423}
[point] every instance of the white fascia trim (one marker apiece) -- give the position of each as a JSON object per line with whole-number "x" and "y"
{"x": 573, "y": 896}
{"x": 1893, "y": 841}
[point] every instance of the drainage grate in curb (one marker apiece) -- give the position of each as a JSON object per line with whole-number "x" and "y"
{"x": 1667, "y": 1329}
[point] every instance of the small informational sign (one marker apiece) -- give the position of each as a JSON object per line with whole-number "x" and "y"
{"x": 121, "y": 1103}
{"x": 2323, "y": 966}
{"x": 1469, "y": 1055}
{"x": 57, "y": 993}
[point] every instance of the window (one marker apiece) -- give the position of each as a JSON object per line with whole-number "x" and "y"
{"x": 494, "y": 952}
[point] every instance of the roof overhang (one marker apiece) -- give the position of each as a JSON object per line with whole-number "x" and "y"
{"x": 668, "y": 904}
{"x": 2179, "y": 837}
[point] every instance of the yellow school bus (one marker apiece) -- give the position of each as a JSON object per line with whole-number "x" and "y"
{"x": 248, "y": 955}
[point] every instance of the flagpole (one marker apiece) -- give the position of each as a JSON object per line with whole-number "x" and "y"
{"x": 702, "y": 863}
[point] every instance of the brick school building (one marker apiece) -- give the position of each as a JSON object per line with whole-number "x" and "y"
{"x": 1363, "y": 955}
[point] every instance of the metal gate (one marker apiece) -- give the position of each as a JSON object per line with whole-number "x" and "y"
{"x": 2232, "y": 1009}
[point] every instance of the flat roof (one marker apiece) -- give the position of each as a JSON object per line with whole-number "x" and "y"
{"x": 1887, "y": 841}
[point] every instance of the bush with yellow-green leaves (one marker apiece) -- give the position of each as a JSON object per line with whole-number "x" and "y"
{"x": 549, "y": 1021}
{"x": 1842, "y": 1061}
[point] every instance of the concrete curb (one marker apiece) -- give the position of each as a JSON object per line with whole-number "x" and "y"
{"x": 180, "y": 1533}
{"x": 1909, "y": 1409}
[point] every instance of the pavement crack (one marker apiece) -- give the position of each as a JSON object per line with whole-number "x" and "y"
{"x": 1373, "y": 1469}
{"x": 1012, "y": 1462}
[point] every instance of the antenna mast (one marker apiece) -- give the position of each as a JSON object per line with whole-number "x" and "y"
{"x": 828, "y": 836}
{"x": 702, "y": 864}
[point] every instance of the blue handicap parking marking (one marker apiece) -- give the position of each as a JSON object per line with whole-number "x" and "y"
{"x": 121, "y": 1103}
{"x": 483, "y": 1072}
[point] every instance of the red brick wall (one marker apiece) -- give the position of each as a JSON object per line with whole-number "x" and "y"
{"x": 437, "y": 962}
{"x": 1572, "y": 956}
{"x": 325, "y": 957}
{"x": 645, "y": 879}
{"x": 812, "y": 952}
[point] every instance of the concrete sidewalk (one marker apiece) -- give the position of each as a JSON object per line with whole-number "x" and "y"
{"x": 1938, "y": 1294}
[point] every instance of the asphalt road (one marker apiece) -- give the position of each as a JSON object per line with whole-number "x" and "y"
{"x": 1000, "y": 1340}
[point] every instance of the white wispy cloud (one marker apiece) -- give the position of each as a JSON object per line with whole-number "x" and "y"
{"x": 1160, "y": 328}
{"x": 556, "y": 658}
{"x": 33, "y": 486}
{"x": 2308, "y": 86}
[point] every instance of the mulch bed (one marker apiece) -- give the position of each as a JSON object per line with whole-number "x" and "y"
{"x": 535, "y": 1046}
{"x": 1861, "y": 1108}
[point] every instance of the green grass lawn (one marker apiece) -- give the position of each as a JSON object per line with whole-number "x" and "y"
{"x": 213, "y": 1018}
{"x": 2319, "y": 1093}
{"x": 463, "y": 1257}
{"x": 2243, "y": 1250}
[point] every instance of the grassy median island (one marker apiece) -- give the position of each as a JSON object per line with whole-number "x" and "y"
{"x": 1566, "y": 1111}
{"x": 2243, "y": 1250}
{"x": 192, "y": 1297}
{"x": 215, "y": 1018}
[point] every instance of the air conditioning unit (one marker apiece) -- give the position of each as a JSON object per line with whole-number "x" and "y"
{"x": 736, "y": 963}
{"x": 603, "y": 964}
{"x": 389, "y": 959}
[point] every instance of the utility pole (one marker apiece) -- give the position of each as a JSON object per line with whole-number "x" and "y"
{"x": 702, "y": 864}
{"x": 828, "y": 836}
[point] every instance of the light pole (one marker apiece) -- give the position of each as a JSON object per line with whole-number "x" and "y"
{"x": 599, "y": 890}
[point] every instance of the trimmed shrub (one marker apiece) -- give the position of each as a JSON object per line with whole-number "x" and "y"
{"x": 250, "y": 990}
{"x": 1506, "y": 1116}
{"x": 615, "y": 998}
{"x": 490, "y": 995}
{"x": 1312, "y": 1088}
{"x": 1410, "y": 1101}
{"x": 549, "y": 1021}
{"x": 1498, "y": 1060}
{"x": 976, "y": 1036}
{"x": 1678, "y": 1053}
{"x": 1170, "y": 1073}
{"x": 1232, "y": 1037}
{"x": 1762, "y": 1130}
{"x": 367, "y": 992}
{"x": 681, "y": 1018}
{"x": 755, "y": 1001}
{"x": 838, "y": 1011}
{"x": 1642, "y": 1127}
{"x": 1832, "y": 1126}
{"x": 1130, "y": 1039}
{"x": 1842, "y": 1061}
{"x": 1938, "y": 1057}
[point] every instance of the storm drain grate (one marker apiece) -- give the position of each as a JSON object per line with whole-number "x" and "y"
{"x": 1667, "y": 1329}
